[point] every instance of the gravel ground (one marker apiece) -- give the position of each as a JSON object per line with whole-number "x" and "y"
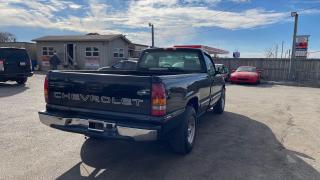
{"x": 267, "y": 132}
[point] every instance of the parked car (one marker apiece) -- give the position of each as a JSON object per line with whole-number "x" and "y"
{"x": 156, "y": 101}
{"x": 15, "y": 65}
{"x": 246, "y": 74}
{"x": 130, "y": 64}
{"x": 224, "y": 71}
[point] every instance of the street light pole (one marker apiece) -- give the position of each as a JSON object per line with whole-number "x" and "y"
{"x": 152, "y": 32}
{"x": 293, "y": 52}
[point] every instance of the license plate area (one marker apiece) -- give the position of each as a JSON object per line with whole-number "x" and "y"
{"x": 23, "y": 63}
{"x": 100, "y": 126}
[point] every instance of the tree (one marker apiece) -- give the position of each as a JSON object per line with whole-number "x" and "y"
{"x": 7, "y": 37}
{"x": 269, "y": 53}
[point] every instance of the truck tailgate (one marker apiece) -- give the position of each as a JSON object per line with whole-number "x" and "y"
{"x": 106, "y": 92}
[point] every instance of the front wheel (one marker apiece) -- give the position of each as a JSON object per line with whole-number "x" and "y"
{"x": 183, "y": 137}
{"x": 22, "y": 81}
{"x": 219, "y": 107}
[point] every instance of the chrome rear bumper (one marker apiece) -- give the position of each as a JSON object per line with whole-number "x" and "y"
{"x": 119, "y": 131}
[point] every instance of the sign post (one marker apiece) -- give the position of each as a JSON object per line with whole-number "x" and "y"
{"x": 293, "y": 52}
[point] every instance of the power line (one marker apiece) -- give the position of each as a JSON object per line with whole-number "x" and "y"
{"x": 215, "y": 15}
{"x": 312, "y": 7}
{"x": 225, "y": 10}
{"x": 228, "y": 9}
{"x": 215, "y": 28}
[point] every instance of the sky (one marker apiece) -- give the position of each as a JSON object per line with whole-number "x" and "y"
{"x": 247, "y": 26}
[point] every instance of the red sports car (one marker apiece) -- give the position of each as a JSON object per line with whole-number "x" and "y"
{"x": 245, "y": 74}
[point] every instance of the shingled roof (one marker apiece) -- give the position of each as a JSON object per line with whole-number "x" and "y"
{"x": 81, "y": 38}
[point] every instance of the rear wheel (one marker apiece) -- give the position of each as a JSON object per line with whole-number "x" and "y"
{"x": 183, "y": 137}
{"x": 219, "y": 107}
{"x": 22, "y": 81}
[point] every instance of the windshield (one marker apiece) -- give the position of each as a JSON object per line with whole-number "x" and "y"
{"x": 246, "y": 69}
{"x": 170, "y": 60}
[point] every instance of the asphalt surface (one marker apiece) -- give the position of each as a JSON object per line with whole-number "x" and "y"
{"x": 267, "y": 132}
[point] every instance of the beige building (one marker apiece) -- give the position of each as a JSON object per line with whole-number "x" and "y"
{"x": 83, "y": 51}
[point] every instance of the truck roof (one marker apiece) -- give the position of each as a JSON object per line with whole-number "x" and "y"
{"x": 209, "y": 50}
{"x": 172, "y": 49}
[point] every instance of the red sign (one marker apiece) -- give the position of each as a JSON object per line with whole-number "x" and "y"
{"x": 302, "y": 42}
{"x": 302, "y": 46}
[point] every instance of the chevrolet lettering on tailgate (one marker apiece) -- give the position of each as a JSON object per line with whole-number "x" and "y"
{"x": 98, "y": 99}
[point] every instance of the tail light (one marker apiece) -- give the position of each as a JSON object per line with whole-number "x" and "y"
{"x": 159, "y": 101}
{"x": 46, "y": 89}
{"x": 1, "y": 64}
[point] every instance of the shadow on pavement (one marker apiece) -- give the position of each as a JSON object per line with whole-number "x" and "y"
{"x": 40, "y": 72}
{"x": 261, "y": 85}
{"x": 229, "y": 146}
{"x": 8, "y": 89}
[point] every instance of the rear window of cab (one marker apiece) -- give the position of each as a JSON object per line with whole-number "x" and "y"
{"x": 182, "y": 60}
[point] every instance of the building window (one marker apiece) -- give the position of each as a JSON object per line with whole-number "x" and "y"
{"x": 92, "y": 52}
{"x": 47, "y": 51}
{"x": 118, "y": 53}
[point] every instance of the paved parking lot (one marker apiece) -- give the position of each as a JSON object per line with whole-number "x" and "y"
{"x": 267, "y": 132}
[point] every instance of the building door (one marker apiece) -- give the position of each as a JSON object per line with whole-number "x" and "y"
{"x": 70, "y": 55}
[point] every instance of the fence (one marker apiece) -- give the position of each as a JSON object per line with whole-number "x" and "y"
{"x": 300, "y": 70}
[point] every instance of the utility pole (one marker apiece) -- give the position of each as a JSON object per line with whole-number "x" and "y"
{"x": 293, "y": 52}
{"x": 282, "y": 49}
{"x": 276, "y": 51}
{"x": 289, "y": 54}
{"x": 152, "y": 34}
{"x": 285, "y": 54}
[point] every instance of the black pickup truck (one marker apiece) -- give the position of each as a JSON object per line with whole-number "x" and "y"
{"x": 161, "y": 100}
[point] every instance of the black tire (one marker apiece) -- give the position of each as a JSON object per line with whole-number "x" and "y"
{"x": 183, "y": 137}
{"x": 219, "y": 107}
{"x": 22, "y": 81}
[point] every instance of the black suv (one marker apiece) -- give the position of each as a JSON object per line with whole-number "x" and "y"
{"x": 15, "y": 65}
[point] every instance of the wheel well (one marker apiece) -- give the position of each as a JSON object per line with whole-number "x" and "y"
{"x": 194, "y": 103}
